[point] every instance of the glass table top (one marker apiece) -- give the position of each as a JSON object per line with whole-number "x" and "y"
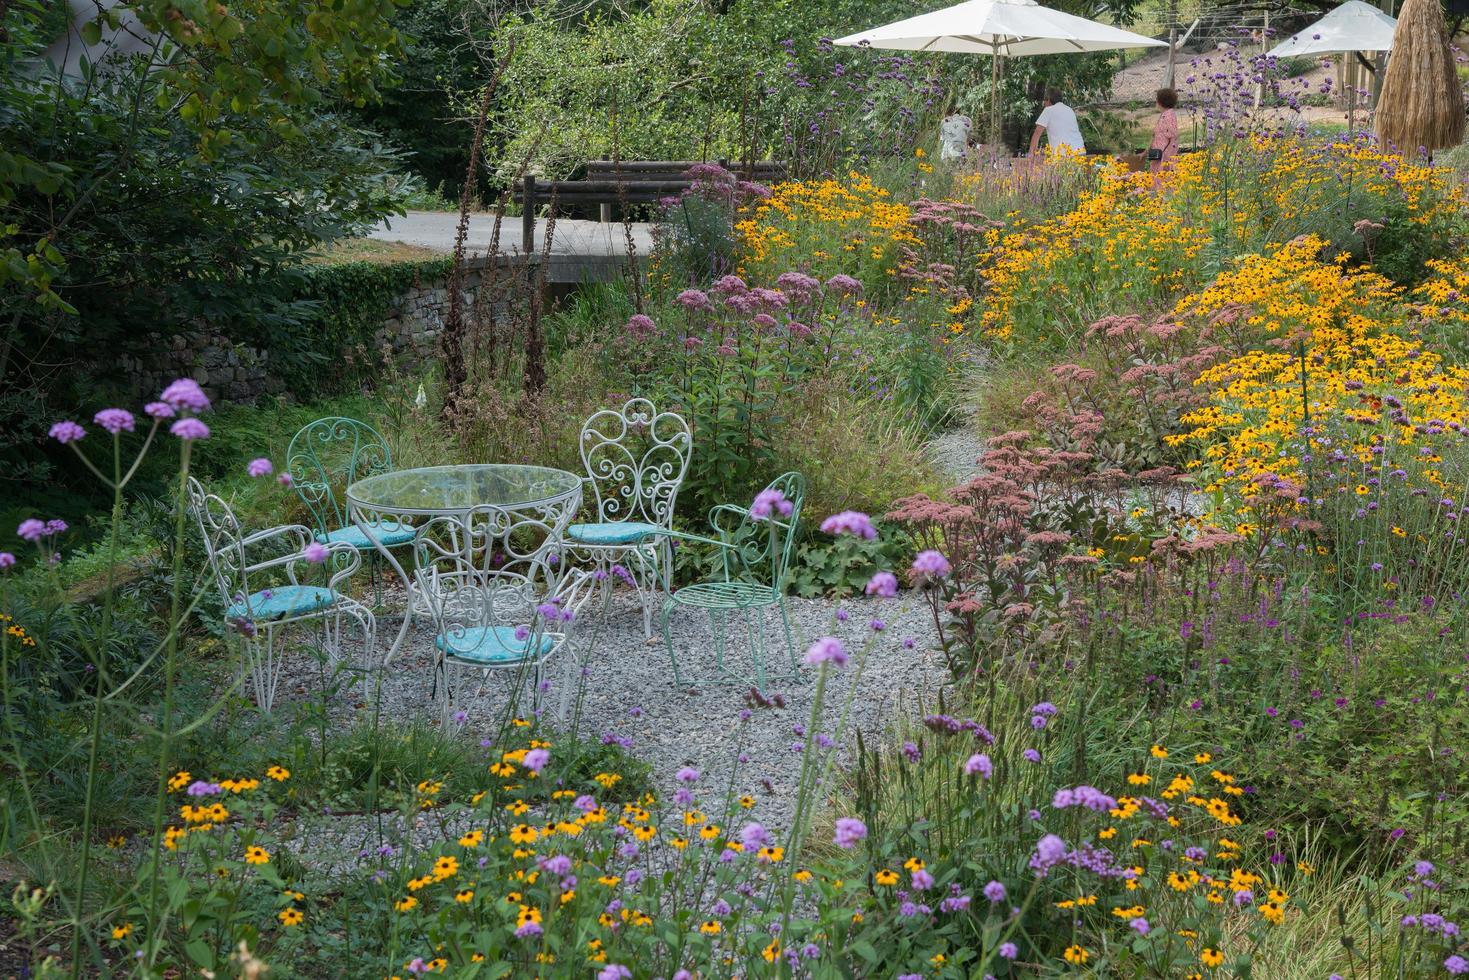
{"x": 450, "y": 489}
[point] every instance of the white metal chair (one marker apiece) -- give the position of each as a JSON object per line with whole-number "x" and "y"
{"x": 497, "y": 600}
{"x": 635, "y": 459}
{"x": 260, "y": 605}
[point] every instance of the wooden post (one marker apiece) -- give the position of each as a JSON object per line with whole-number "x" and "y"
{"x": 528, "y": 214}
{"x": 1172, "y": 56}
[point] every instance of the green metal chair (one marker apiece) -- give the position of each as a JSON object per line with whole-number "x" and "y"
{"x": 755, "y": 553}
{"x": 329, "y": 455}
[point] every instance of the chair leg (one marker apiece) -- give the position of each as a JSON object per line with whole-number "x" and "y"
{"x": 718, "y": 628}
{"x": 668, "y": 641}
{"x": 367, "y": 624}
{"x": 645, "y": 582}
{"x": 264, "y": 669}
{"x": 785, "y": 621}
{"x": 756, "y": 633}
{"x": 446, "y": 704}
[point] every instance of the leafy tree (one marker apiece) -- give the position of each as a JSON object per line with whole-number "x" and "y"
{"x": 447, "y": 52}
{"x": 144, "y": 193}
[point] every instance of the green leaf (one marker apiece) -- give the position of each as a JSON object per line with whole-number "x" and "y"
{"x": 92, "y": 32}
{"x": 200, "y": 952}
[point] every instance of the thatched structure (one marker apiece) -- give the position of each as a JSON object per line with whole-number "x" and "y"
{"x": 1422, "y": 103}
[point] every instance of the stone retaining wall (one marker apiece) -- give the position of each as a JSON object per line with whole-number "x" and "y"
{"x": 236, "y": 372}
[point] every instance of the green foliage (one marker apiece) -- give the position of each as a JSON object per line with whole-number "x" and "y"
{"x": 841, "y": 566}
{"x": 343, "y": 307}
{"x": 418, "y": 113}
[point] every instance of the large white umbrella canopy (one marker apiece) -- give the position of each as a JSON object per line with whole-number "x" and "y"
{"x": 1008, "y": 28}
{"x": 1354, "y": 26}
{"x": 1000, "y": 29}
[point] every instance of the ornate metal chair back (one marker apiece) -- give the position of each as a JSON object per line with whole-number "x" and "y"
{"x": 223, "y": 543}
{"x": 635, "y": 459}
{"x": 328, "y": 455}
{"x": 763, "y": 548}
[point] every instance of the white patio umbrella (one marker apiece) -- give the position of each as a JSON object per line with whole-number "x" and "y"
{"x": 998, "y": 28}
{"x": 1354, "y": 26}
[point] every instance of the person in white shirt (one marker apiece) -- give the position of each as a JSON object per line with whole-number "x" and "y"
{"x": 954, "y": 137}
{"x": 1058, "y": 122}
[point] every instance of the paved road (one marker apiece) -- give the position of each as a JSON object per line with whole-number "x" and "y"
{"x": 436, "y": 230}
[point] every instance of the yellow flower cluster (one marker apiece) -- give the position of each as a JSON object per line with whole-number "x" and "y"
{"x": 1342, "y": 359}
{"x": 16, "y": 631}
{"x": 836, "y": 225}
{"x": 1122, "y": 241}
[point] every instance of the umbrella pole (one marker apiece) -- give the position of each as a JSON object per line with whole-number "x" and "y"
{"x": 1352, "y": 97}
{"x": 995, "y": 99}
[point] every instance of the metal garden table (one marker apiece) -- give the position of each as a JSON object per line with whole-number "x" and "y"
{"x": 411, "y": 497}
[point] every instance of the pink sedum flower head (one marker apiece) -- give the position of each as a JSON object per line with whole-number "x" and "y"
{"x": 851, "y": 522}
{"x": 260, "y": 467}
{"x": 883, "y": 584}
{"x": 67, "y": 431}
{"x": 536, "y": 759}
{"x": 115, "y": 420}
{"x": 159, "y": 410}
{"x": 931, "y": 563}
{"x": 315, "y": 552}
{"x": 849, "y": 830}
{"x": 768, "y": 502}
{"x": 827, "y": 649}
{"x": 979, "y": 764}
{"x": 6, "y": 559}
{"x": 844, "y": 285}
{"x": 186, "y": 395}
{"x": 286, "y": 480}
{"x": 31, "y": 530}
{"x": 189, "y": 429}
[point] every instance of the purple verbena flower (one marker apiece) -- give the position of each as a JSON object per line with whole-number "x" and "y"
{"x": 827, "y": 649}
{"x": 849, "y": 830}
{"x": 850, "y": 522}
{"x": 931, "y": 563}
{"x": 115, "y": 420}
{"x": 67, "y": 431}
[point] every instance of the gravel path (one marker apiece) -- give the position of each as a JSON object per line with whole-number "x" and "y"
{"x": 956, "y": 452}
{"x": 630, "y": 693}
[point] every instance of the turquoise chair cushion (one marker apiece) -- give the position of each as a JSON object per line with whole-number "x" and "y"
{"x": 388, "y": 533}
{"x": 612, "y": 532}
{"x": 283, "y": 601}
{"x": 491, "y": 645}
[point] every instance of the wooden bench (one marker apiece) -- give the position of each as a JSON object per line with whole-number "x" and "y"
{"x": 624, "y": 183}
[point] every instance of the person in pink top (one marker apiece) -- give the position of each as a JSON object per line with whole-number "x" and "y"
{"x": 1164, "y": 146}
